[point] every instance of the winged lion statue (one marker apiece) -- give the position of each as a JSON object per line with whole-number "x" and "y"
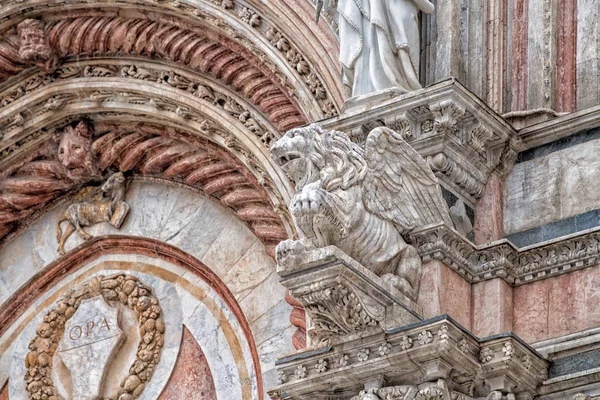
{"x": 361, "y": 200}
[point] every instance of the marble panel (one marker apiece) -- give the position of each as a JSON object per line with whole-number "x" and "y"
{"x": 443, "y": 291}
{"x": 556, "y": 186}
{"x": 492, "y": 307}
{"x": 588, "y": 53}
{"x": 558, "y": 306}
{"x": 207, "y": 231}
{"x": 267, "y": 294}
{"x": 249, "y": 272}
{"x": 272, "y": 322}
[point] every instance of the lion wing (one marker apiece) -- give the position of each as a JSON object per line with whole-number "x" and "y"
{"x": 398, "y": 185}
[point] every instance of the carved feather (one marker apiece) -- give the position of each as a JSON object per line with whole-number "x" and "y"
{"x": 399, "y": 186}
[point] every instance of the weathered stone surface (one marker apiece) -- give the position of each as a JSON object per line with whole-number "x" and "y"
{"x": 541, "y": 190}
{"x": 555, "y": 307}
{"x": 92, "y": 337}
{"x": 443, "y": 291}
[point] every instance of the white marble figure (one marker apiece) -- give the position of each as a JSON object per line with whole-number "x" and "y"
{"x": 361, "y": 201}
{"x": 379, "y": 42}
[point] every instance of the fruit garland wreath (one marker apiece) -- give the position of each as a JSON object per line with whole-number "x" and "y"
{"x": 128, "y": 290}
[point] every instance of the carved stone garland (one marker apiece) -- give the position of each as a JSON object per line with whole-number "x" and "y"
{"x": 128, "y": 290}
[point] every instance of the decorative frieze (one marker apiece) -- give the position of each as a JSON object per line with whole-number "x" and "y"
{"x": 463, "y": 140}
{"x": 439, "y": 349}
{"x": 502, "y": 259}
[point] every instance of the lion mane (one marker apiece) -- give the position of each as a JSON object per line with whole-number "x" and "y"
{"x": 339, "y": 162}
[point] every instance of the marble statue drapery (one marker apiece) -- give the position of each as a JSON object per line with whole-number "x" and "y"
{"x": 380, "y": 43}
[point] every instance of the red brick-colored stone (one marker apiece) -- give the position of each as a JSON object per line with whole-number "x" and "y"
{"x": 4, "y": 392}
{"x": 558, "y": 306}
{"x": 191, "y": 378}
{"x": 488, "y": 213}
{"x": 518, "y": 69}
{"x": 566, "y": 61}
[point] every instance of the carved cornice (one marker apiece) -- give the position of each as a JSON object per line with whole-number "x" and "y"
{"x": 424, "y": 352}
{"x": 502, "y": 259}
{"x": 236, "y": 26}
{"x": 463, "y": 140}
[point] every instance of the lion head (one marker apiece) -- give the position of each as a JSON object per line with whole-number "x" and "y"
{"x": 311, "y": 153}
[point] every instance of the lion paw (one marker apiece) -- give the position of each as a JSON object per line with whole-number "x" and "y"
{"x": 308, "y": 202}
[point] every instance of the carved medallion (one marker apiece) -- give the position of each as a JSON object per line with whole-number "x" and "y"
{"x": 90, "y": 339}
{"x": 82, "y": 328}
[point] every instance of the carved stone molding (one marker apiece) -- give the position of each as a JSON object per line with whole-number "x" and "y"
{"x": 502, "y": 259}
{"x": 148, "y": 150}
{"x": 252, "y": 36}
{"x": 463, "y": 140}
{"x": 432, "y": 357}
{"x": 341, "y": 297}
{"x": 139, "y": 72}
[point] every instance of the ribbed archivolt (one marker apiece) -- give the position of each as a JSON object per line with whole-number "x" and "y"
{"x": 40, "y": 181}
{"x": 199, "y": 49}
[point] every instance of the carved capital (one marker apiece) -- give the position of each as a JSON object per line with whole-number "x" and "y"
{"x": 464, "y": 141}
{"x": 342, "y": 298}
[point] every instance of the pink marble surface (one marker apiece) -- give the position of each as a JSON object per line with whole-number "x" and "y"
{"x": 443, "y": 291}
{"x": 488, "y": 213}
{"x": 558, "y": 306}
{"x": 492, "y": 307}
{"x": 191, "y": 378}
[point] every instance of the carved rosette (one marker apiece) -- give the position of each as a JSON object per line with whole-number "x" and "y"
{"x": 123, "y": 288}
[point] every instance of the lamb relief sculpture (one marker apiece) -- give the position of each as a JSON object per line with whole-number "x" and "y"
{"x": 362, "y": 201}
{"x": 92, "y": 206}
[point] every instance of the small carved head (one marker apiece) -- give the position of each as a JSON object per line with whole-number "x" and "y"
{"x": 34, "y": 47}
{"x": 74, "y": 149}
{"x": 113, "y": 182}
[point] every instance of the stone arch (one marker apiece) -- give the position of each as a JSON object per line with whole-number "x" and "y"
{"x": 235, "y": 38}
{"x": 224, "y": 255}
{"x": 158, "y": 120}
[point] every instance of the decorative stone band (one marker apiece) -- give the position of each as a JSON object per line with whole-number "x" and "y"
{"x": 463, "y": 140}
{"x": 125, "y": 289}
{"x": 503, "y": 260}
{"x": 342, "y": 298}
{"x": 428, "y": 351}
{"x": 207, "y": 52}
